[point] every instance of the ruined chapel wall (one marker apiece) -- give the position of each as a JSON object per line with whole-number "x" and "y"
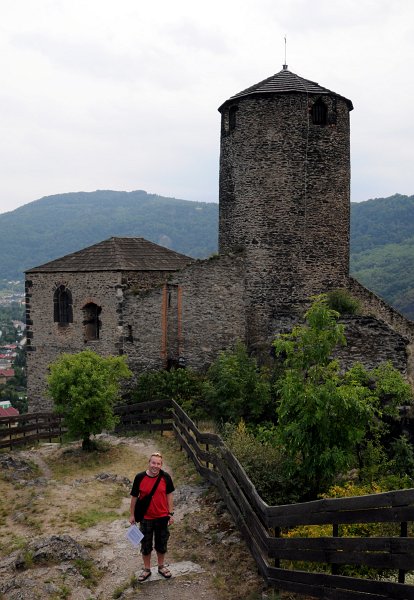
{"x": 374, "y": 306}
{"x": 199, "y": 312}
{"x": 47, "y": 339}
{"x": 377, "y": 307}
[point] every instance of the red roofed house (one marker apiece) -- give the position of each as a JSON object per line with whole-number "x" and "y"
{"x": 6, "y": 374}
{"x": 9, "y": 412}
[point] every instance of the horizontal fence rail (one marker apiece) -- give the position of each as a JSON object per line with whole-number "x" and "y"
{"x": 266, "y": 528}
{"x": 29, "y": 428}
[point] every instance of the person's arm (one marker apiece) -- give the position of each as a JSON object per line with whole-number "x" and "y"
{"x": 132, "y": 510}
{"x": 170, "y": 499}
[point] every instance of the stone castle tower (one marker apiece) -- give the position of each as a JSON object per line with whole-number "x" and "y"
{"x": 285, "y": 194}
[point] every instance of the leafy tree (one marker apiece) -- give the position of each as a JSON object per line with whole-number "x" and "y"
{"x": 323, "y": 415}
{"x": 236, "y": 388}
{"x": 84, "y": 388}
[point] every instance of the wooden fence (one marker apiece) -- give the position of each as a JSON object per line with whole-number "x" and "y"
{"x": 266, "y": 528}
{"x": 29, "y": 428}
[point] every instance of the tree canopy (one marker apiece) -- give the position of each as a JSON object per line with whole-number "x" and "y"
{"x": 84, "y": 388}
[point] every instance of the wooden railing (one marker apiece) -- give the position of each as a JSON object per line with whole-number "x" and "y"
{"x": 29, "y": 428}
{"x": 265, "y": 527}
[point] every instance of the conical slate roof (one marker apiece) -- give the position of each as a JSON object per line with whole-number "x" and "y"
{"x": 118, "y": 254}
{"x": 285, "y": 82}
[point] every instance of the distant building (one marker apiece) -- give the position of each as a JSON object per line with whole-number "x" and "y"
{"x": 9, "y": 412}
{"x": 283, "y": 237}
{"x": 5, "y": 375}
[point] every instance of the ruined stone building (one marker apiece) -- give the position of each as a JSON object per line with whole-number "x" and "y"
{"x": 283, "y": 237}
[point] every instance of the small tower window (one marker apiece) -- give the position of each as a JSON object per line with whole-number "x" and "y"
{"x": 319, "y": 113}
{"x": 62, "y": 306}
{"x": 232, "y": 117}
{"x": 91, "y": 321}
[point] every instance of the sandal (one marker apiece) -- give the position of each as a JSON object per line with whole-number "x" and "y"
{"x": 145, "y": 573}
{"x": 164, "y": 571}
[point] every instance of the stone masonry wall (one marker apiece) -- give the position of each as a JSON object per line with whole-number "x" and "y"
{"x": 374, "y": 306}
{"x": 197, "y": 313}
{"x": 47, "y": 339}
{"x": 371, "y": 342}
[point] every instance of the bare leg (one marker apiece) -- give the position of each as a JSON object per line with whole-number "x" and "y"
{"x": 147, "y": 560}
{"x": 146, "y": 571}
{"x": 162, "y": 569}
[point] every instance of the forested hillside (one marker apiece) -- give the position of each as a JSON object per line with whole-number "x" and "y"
{"x": 57, "y": 225}
{"x": 382, "y": 249}
{"x": 382, "y": 234}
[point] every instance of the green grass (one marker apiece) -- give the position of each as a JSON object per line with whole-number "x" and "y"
{"x": 91, "y": 517}
{"x": 63, "y": 593}
{"x": 89, "y": 571}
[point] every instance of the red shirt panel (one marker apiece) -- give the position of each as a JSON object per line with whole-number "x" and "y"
{"x": 159, "y": 503}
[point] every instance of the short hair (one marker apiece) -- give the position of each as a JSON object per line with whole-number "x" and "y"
{"x": 156, "y": 454}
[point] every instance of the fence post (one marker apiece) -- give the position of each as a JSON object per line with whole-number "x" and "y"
{"x": 403, "y": 533}
{"x": 276, "y": 533}
{"x": 335, "y": 533}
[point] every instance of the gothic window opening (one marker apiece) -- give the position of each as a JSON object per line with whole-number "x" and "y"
{"x": 130, "y": 337}
{"x": 232, "y": 117}
{"x": 62, "y": 306}
{"x": 319, "y": 113}
{"x": 91, "y": 321}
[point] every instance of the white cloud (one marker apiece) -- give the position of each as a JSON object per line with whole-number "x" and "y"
{"x": 124, "y": 95}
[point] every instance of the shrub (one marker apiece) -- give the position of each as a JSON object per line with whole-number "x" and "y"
{"x": 347, "y": 490}
{"x": 237, "y": 388}
{"x": 342, "y": 302}
{"x": 262, "y": 463}
{"x": 182, "y": 385}
{"x": 402, "y": 461}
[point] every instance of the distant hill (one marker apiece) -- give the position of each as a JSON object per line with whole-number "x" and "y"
{"x": 57, "y": 225}
{"x": 382, "y": 249}
{"x": 382, "y": 234}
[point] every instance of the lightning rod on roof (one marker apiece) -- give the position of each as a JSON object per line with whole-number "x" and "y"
{"x": 285, "y": 65}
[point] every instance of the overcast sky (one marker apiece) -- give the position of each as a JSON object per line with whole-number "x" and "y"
{"x": 123, "y": 95}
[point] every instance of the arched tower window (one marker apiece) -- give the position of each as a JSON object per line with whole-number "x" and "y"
{"x": 62, "y": 306}
{"x": 91, "y": 321}
{"x": 232, "y": 117}
{"x": 319, "y": 113}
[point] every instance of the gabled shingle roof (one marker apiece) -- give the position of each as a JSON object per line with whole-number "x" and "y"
{"x": 282, "y": 83}
{"x": 9, "y": 412}
{"x": 6, "y": 372}
{"x": 118, "y": 254}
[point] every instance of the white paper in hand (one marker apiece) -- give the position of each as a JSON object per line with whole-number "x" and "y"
{"x": 134, "y": 535}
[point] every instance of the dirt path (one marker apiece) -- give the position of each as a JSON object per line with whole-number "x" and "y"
{"x": 205, "y": 552}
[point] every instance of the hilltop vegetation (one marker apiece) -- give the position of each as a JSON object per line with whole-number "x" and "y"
{"x": 382, "y": 249}
{"x": 382, "y": 234}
